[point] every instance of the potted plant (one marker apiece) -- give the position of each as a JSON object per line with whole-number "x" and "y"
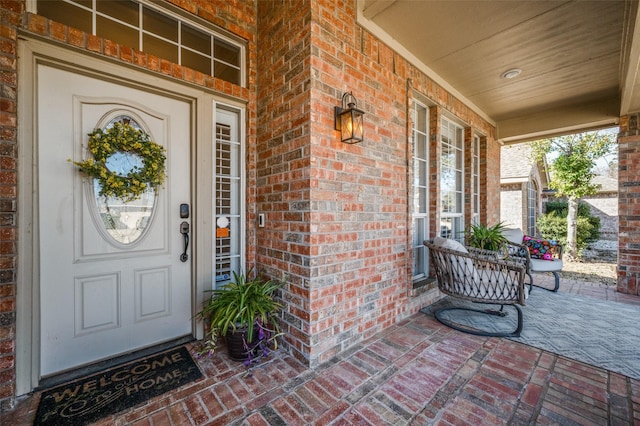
{"x": 486, "y": 237}
{"x": 244, "y": 312}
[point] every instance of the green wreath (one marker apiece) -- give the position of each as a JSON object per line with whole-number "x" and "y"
{"x": 123, "y": 137}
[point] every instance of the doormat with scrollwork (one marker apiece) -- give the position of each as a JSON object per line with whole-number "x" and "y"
{"x": 99, "y": 395}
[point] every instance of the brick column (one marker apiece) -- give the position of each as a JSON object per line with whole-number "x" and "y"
{"x": 629, "y": 205}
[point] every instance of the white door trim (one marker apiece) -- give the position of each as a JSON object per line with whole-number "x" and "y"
{"x": 32, "y": 52}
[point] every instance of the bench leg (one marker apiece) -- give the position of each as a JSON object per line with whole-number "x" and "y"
{"x": 466, "y": 329}
{"x": 556, "y": 277}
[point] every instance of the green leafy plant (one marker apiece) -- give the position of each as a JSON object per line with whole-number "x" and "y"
{"x": 246, "y": 304}
{"x": 486, "y": 237}
{"x": 553, "y": 226}
{"x": 124, "y": 138}
{"x": 587, "y": 232}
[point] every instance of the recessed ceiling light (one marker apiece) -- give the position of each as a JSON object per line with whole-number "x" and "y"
{"x": 512, "y": 73}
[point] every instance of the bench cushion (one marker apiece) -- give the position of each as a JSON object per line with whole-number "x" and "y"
{"x": 450, "y": 244}
{"x": 539, "y": 265}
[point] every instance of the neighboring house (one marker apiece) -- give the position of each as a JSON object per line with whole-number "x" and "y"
{"x": 242, "y": 94}
{"x": 604, "y": 204}
{"x": 522, "y": 182}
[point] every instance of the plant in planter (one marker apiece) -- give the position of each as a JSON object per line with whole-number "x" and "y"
{"x": 486, "y": 237}
{"x": 244, "y": 312}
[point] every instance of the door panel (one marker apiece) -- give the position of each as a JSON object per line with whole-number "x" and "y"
{"x": 100, "y": 297}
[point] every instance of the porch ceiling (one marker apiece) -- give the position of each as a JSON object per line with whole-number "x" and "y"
{"x": 579, "y": 58}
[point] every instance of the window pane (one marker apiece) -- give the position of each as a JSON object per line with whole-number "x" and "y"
{"x": 124, "y": 221}
{"x": 196, "y": 61}
{"x": 421, "y": 119}
{"x": 418, "y": 231}
{"x": 125, "y": 11}
{"x": 418, "y": 262}
{"x": 117, "y": 32}
{"x": 196, "y": 40}
{"x": 459, "y": 138}
{"x": 225, "y": 52}
{"x": 420, "y": 200}
{"x": 422, "y": 173}
{"x": 160, "y": 48}
{"x": 161, "y": 25}
{"x": 446, "y": 228}
{"x": 458, "y": 233}
{"x": 227, "y": 73}
{"x": 66, "y": 14}
{"x": 421, "y": 146}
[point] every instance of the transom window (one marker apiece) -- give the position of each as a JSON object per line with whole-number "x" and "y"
{"x": 451, "y": 181}
{"x": 146, "y": 27}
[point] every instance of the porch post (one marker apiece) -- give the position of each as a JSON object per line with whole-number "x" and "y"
{"x": 629, "y": 205}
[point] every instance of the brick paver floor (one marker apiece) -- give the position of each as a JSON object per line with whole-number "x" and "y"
{"x": 416, "y": 372}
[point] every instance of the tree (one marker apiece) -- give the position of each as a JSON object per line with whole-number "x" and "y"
{"x": 571, "y": 163}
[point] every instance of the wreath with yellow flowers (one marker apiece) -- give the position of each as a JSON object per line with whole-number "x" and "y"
{"x": 124, "y": 138}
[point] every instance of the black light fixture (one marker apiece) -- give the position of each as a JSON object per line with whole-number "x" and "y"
{"x": 348, "y": 119}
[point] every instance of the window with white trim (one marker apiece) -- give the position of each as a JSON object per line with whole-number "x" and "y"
{"x": 147, "y": 27}
{"x": 420, "y": 211}
{"x": 451, "y": 180}
{"x": 228, "y": 194}
{"x": 475, "y": 178}
{"x": 532, "y": 207}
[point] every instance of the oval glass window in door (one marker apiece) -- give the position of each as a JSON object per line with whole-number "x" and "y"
{"x": 124, "y": 222}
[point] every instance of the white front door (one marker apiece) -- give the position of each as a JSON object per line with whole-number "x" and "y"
{"x": 111, "y": 275}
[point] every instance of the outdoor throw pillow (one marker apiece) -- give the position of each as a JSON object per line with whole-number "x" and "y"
{"x": 540, "y": 249}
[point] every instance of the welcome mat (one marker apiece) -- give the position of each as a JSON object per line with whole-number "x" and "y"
{"x": 96, "y": 396}
{"x": 597, "y": 332}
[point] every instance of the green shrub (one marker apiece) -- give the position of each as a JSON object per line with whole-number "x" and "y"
{"x": 562, "y": 207}
{"x": 554, "y": 226}
{"x": 553, "y": 206}
{"x": 595, "y": 229}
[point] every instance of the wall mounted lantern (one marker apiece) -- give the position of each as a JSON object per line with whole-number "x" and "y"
{"x": 348, "y": 119}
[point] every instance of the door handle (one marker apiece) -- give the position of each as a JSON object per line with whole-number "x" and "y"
{"x": 184, "y": 230}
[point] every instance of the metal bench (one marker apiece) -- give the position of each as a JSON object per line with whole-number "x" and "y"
{"x": 516, "y": 248}
{"x": 479, "y": 276}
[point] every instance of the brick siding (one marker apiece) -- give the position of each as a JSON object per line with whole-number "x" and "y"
{"x": 12, "y": 14}
{"x": 239, "y": 17}
{"x": 338, "y": 222}
{"x": 628, "y": 206}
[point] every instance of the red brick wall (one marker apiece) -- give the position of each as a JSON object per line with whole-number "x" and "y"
{"x": 12, "y": 14}
{"x": 338, "y": 224}
{"x": 283, "y": 158}
{"x": 237, "y": 16}
{"x": 338, "y": 221}
{"x": 628, "y": 205}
